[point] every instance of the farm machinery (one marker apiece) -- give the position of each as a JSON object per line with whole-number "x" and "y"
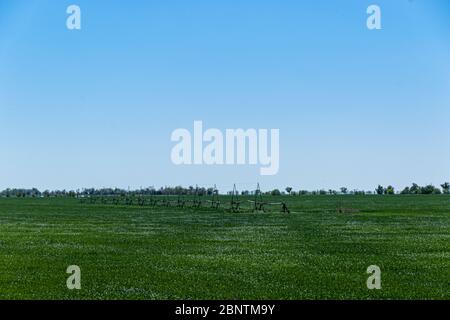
{"x": 233, "y": 203}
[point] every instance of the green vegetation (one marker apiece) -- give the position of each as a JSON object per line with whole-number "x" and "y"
{"x": 319, "y": 251}
{"x": 208, "y": 191}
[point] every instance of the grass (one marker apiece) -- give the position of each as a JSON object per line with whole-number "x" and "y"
{"x": 316, "y": 252}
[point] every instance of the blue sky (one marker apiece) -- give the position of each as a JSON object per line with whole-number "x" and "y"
{"x": 96, "y": 107}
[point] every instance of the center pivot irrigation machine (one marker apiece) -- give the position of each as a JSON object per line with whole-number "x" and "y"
{"x": 230, "y": 203}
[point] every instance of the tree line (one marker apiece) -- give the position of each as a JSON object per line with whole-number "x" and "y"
{"x": 92, "y": 192}
{"x": 414, "y": 189}
{"x": 380, "y": 190}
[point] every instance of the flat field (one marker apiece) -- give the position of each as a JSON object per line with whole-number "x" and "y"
{"x": 315, "y": 252}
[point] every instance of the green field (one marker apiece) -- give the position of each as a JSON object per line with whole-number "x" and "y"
{"x": 316, "y": 252}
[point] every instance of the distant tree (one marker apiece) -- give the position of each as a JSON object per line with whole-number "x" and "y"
{"x": 288, "y": 190}
{"x": 276, "y": 192}
{"x": 379, "y": 189}
{"x": 344, "y": 190}
{"x": 406, "y": 191}
{"x": 415, "y": 189}
{"x": 446, "y": 187}
{"x": 389, "y": 190}
{"x": 179, "y": 190}
{"x": 429, "y": 189}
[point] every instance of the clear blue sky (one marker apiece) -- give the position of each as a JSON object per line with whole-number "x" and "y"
{"x": 96, "y": 107}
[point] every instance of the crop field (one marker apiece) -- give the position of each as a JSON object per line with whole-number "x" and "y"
{"x": 320, "y": 250}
